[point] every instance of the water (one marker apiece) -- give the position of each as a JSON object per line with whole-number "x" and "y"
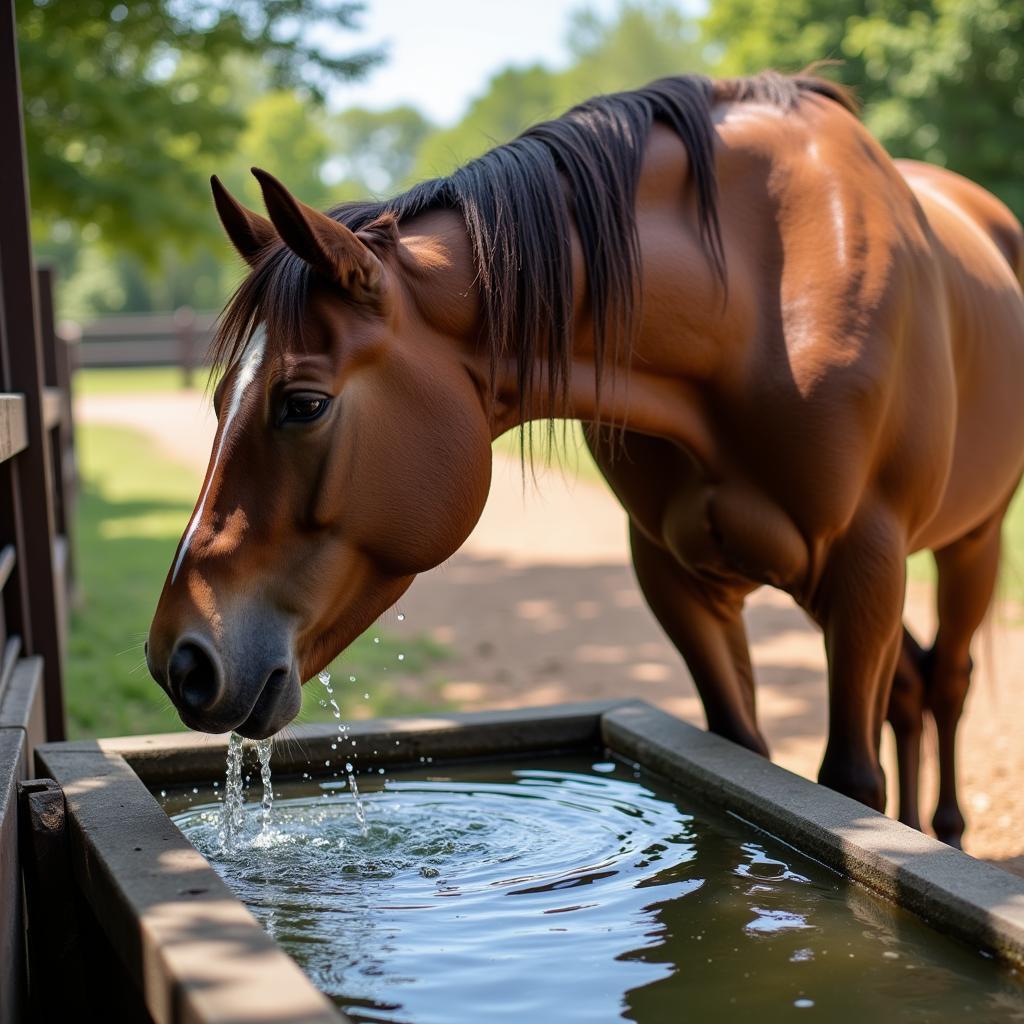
{"x": 325, "y": 680}
{"x": 264, "y": 748}
{"x": 565, "y": 891}
{"x": 232, "y": 818}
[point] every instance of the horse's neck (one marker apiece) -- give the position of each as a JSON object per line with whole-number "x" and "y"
{"x": 638, "y": 392}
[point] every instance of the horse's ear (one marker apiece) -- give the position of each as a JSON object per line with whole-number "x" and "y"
{"x": 329, "y": 247}
{"x": 250, "y": 233}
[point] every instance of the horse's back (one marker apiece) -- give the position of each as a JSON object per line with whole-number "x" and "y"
{"x": 991, "y": 215}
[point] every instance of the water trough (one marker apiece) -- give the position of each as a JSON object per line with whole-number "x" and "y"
{"x": 148, "y": 918}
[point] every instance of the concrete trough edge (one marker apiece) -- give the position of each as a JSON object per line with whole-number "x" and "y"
{"x": 977, "y": 902}
{"x": 160, "y": 759}
{"x": 196, "y": 953}
{"x": 173, "y": 938}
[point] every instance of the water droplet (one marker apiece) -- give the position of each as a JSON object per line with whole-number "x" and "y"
{"x": 195, "y": 789}
{"x": 401, "y": 657}
{"x": 366, "y": 696}
{"x": 376, "y": 639}
{"x": 401, "y": 616}
{"x": 327, "y": 764}
{"x": 348, "y": 766}
{"x": 163, "y": 792}
{"x": 351, "y": 679}
{"x": 803, "y": 1004}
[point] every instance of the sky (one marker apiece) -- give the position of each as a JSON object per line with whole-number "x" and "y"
{"x": 441, "y": 52}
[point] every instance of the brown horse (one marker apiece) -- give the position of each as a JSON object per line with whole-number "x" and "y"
{"x": 798, "y": 361}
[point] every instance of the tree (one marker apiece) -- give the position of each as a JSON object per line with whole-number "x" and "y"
{"x": 373, "y": 151}
{"x": 941, "y": 80}
{"x": 643, "y": 40}
{"x": 126, "y": 103}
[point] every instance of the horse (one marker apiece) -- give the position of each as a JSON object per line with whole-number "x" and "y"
{"x": 797, "y": 361}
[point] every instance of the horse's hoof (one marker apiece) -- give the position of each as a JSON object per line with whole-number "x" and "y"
{"x": 866, "y": 785}
{"x": 949, "y": 828}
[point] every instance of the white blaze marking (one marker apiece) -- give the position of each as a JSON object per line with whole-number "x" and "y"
{"x": 249, "y": 364}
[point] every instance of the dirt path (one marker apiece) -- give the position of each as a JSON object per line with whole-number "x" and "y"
{"x": 540, "y": 606}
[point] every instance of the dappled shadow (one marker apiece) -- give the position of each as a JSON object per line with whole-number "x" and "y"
{"x": 536, "y": 634}
{"x": 529, "y": 633}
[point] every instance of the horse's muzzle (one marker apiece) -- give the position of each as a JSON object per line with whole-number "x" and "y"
{"x": 255, "y": 695}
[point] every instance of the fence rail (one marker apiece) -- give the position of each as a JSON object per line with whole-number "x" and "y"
{"x": 181, "y": 338}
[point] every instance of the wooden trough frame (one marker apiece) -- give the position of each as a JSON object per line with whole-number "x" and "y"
{"x": 189, "y": 951}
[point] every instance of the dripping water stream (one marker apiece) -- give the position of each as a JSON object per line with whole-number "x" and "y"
{"x": 233, "y": 822}
{"x": 360, "y": 810}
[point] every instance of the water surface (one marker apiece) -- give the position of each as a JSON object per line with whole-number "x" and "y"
{"x": 567, "y": 890}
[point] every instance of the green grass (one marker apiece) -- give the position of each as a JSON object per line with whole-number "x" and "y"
{"x": 134, "y": 504}
{"x": 133, "y": 380}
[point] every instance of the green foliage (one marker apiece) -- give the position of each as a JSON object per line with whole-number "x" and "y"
{"x": 126, "y": 104}
{"x": 374, "y": 151}
{"x": 643, "y": 40}
{"x": 284, "y": 135}
{"x": 941, "y": 80}
{"x": 133, "y": 507}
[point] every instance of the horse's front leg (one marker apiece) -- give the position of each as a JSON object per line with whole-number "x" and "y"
{"x": 705, "y": 624}
{"x": 859, "y": 604}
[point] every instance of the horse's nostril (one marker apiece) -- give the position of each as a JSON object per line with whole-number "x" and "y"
{"x": 194, "y": 676}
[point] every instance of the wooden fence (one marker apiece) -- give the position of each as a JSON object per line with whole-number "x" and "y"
{"x": 181, "y": 339}
{"x": 37, "y": 485}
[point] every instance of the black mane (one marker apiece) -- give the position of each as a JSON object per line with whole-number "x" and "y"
{"x": 517, "y": 202}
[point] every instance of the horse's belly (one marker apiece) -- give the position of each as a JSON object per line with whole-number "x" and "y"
{"x": 988, "y": 450}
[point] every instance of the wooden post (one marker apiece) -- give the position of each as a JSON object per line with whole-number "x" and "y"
{"x": 22, "y": 371}
{"x": 60, "y": 440}
{"x": 51, "y": 902}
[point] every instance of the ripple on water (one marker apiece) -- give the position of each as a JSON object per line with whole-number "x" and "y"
{"x": 566, "y": 846}
{"x": 568, "y": 895}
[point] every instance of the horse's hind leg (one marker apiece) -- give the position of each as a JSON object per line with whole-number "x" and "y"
{"x": 906, "y": 716}
{"x": 967, "y": 572}
{"x": 706, "y": 626}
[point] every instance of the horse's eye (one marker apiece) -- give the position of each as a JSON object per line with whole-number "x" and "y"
{"x": 303, "y": 408}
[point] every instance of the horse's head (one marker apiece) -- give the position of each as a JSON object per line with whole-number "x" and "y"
{"x": 352, "y": 452}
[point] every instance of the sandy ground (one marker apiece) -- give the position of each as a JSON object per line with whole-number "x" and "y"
{"x": 540, "y": 606}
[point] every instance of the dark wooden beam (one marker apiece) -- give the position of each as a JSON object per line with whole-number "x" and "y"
{"x": 23, "y": 373}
